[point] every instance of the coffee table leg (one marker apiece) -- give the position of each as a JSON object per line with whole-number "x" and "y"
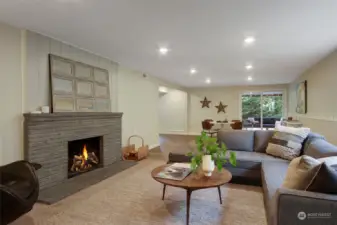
{"x": 188, "y": 200}
{"x": 164, "y": 189}
{"x": 219, "y": 190}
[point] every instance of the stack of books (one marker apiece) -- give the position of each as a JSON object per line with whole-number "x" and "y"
{"x": 176, "y": 171}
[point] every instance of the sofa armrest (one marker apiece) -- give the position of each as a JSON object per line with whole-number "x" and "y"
{"x": 291, "y": 206}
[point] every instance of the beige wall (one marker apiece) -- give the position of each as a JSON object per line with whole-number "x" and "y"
{"x": 24, "y": 88}
{"x": 228, "y": 95}
{"x": 37, "y": 72}
{"x": 137, "y": 97}
{"x": 10, "y": 94}
{"x": 138, "y": 100}
{"x": 173, "y": 116}
{"x": 322, "y": 97}
{"x": 146, "y": 112}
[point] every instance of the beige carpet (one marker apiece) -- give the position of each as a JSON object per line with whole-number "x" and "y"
{"x": 132, "y": 197}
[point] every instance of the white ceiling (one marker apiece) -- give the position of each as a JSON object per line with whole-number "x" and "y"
{"x": 205, "y": 34}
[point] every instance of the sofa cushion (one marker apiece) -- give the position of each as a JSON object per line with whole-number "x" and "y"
{"x": 261, "y": 139}
{"x": 255, "y": 157}
{"x": 239, "y": 140}
{"x": 273, "y": 175}
{"x": 311, "y": 137}
{"x": 320, "y": 148}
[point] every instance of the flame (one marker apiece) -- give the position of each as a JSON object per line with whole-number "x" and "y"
{"x": 85, "y": 152}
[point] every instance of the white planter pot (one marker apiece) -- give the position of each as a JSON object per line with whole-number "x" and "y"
{"x": 207, "y": 165}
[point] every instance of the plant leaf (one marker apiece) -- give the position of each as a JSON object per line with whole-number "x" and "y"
{"x": 193, "y": 163}
{"x": 219, "y": 164}
{"x": 232, "y": 158}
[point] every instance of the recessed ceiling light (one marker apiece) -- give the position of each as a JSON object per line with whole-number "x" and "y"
{"x": 208, "y": 81}
{"x": 249, "y": 66}
{"x": 163, "y": 50}
{"x": 250, "y": 78}
{"x": 249, "y": 40}
{"x": 193, "y": 71}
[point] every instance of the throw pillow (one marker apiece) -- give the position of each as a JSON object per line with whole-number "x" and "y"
{"x": 325, "y": 180}
{"x": 287, "y": 142}
{"x": 300, "y": 172}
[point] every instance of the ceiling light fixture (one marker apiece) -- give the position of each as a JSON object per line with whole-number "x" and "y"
{"x": 163, "y": 50}
{"x": 163, "y": 89}
{"x": 193, "y": 71}
{"x": 208, "y": 81}
{"x": 249, "y": 40}
{"x": 249, "y": 66}
{"x": 250, "y": 78}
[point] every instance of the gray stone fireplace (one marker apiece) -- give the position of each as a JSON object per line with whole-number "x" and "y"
{"x": 49, "y": 137}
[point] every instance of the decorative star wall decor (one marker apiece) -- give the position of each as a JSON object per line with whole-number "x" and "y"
{"x": 205, "y": 103}
{"x": 221, "y": 107}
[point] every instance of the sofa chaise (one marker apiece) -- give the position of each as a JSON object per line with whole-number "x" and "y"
{"x": 255, "y": 167}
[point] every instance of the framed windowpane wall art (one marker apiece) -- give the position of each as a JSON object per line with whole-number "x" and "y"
{"x": 78, "y": 87}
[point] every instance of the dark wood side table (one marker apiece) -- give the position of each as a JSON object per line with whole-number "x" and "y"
{"x": 194, "y": 181}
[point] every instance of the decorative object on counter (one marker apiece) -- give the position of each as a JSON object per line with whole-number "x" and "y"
{"x": 215, "y": 155}
{"x": 130, "y": 152}
{"x": 292, "y": 123}
{"x": 301, "y": 92}
{"x": 205, "y": 103}
{"x": 220, "y": 125}
{"x": 221, "y": 107}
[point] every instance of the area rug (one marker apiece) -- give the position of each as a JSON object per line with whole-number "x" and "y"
{"x": 132, "y": 197}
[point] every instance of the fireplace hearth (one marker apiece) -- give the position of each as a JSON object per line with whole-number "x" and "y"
{"x": 49, "y": 138}
{"x": 84, "y": 155}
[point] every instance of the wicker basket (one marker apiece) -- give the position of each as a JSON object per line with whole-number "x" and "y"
{"x": 130, "y": 152}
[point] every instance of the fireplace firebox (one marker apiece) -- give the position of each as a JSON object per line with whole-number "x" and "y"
{"x": 84, "y": 155}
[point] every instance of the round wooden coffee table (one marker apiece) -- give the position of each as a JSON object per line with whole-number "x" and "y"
{"x": 192, "y": 182}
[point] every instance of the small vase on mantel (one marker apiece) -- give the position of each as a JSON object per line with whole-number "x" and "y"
{"x": 207, "y": 165}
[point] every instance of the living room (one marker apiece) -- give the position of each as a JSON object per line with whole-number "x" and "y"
{"x": 158, "y": 70}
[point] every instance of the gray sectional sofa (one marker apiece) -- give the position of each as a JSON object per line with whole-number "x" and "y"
{"x": 255, "y": 167}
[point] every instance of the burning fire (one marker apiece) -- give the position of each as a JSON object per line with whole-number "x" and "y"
{"x": 85, "y": 155}
{"x": 84, "y": 161}
{"x": 85, "y": 152}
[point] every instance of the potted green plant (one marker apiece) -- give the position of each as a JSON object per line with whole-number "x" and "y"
{"x": 210, "y": 154}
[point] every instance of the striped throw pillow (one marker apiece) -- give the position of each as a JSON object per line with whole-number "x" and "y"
{"x": 287, "y": 142}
